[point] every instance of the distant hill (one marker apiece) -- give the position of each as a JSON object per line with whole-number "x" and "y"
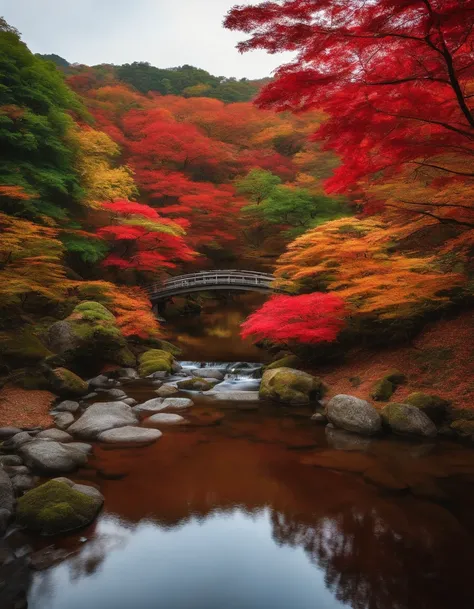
{"x": 185, "y": 80}
{"x": 59, "y": 61}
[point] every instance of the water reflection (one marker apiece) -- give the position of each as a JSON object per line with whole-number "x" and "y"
{"x": 228, "y": 516}
{"x": 214, "y": 333}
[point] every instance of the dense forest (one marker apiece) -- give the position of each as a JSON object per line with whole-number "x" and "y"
{"x": 348, "y": 175}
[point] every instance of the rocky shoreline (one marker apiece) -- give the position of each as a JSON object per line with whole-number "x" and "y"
{"x": 106, "y": 414}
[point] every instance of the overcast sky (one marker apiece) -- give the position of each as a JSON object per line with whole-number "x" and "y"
{"x": 165, "y": 33}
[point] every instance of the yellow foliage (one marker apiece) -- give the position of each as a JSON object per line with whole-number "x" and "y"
{"x": 101, "y": 180}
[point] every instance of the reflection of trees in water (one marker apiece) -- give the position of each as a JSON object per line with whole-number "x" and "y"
{"x": 386, "y": 559}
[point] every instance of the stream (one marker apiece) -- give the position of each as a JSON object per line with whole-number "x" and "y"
{"x": 229, "y": 512}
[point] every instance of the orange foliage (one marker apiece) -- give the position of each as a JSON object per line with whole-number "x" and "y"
{"x": 358, "y": 260}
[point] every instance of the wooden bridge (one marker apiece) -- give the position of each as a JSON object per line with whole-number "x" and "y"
{"x": 252, "y": 281}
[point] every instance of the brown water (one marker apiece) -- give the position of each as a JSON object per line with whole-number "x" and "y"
{"x": 265, "y": 510}
{"x": 234, "y": 515}
{"x": 214, "y": 333}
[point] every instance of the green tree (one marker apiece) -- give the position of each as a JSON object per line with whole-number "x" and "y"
{"x": 34, "y": 119}
{"x": 298, "y": 209}
{"x": 257, "y": 185}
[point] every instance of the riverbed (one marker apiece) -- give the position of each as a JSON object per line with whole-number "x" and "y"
{"x": 251, "y": 505}
{"x": 231, "y": 513}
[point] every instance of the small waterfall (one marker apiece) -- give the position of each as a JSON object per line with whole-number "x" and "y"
{"x": 238, "y": 376}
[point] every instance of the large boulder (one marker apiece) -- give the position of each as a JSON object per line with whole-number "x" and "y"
{"x": 17, "y": 441}
{"x": 155, "y": 360}
{"x": 100, "y": 417}
{"x": 90, "y": 334}
{"x": 290, "y": 386}
{"x": 57, "y": 435}
{"x": 66, "y": 383}
{"x": 433, "y": 406}
{"x": 177, "y": 403}
{"x": 153, "y": 405}
{"x": 405, "y": 419}
{"x": 50, "y": 457}
{"x": 130, "y": 435}
{"x": 57, "y": 507}
{"x": 353, "y": 414}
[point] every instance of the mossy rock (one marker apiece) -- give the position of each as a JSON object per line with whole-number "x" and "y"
{"x": 67, "y": 384}
{"x": 433, "y": 406}
{"x": 289, "y": 361}
{"x": 290, "y": 386}
{"x": 125, "y": 358}
{"x": 382, "y": 390}
{"x": 88, "y": 339}
{"x": 355, "y": 381}
{"x": 463, "y": 428}
{"x": 396, "y": 378}
{"x": 197, "y": 384}
{"x": 23, "y": 346}
{"x": 155, "y": 360}
{"x": 405, "y": 419}
{"x": 56, "y": 507}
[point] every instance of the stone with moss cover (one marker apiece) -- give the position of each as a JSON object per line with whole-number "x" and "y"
{"x": 382, "y": 390}
{"x": 197, "y": 384}
{"x": 57, "y": 507}
{"x": 433, "y": 406}
{"x": 290, "y": 386}
{"x": 155, "y": 360}
{"x": 463, "y": 428}
{"x": 90, "y": 333}
{"x": 67, "y": 384}
{"x": 405, "y": 419}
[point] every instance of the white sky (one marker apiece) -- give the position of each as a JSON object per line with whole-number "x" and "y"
{"x": 164, "y": 33}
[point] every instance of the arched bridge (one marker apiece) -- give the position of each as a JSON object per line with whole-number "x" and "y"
{"x": 252, "y": 281}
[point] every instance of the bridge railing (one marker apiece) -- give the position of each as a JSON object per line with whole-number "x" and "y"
{"x": 208, "y": 278}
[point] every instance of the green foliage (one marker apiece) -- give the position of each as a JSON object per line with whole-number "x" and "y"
{"x": 89, "y": 251}
{"x": 34, "y": 120}
{"x": 56, "y": 59}
{"x": 186, "y": 80}
{"x": 257, "y": 185}
{"x": 54, "y": 507}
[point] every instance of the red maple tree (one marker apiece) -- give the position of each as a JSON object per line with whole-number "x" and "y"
{"x": 309, "y": 318}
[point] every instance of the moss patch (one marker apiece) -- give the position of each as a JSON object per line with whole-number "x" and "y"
{"x": 66, "y": 383}
{"x": 382, "y": 390}
{"x": 54, "y": 508}
{"x": 433, "y": 406}
{"x": 197, "y": 384}
{"x": 395, "y": 377}
{"x": 292, "y": 387}
{"x": 155, "y": 360}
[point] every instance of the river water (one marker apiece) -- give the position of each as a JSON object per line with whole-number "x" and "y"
{"x": 235, "y": 511}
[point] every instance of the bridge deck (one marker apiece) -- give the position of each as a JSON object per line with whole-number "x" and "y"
{"x": 211, "y": 280}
